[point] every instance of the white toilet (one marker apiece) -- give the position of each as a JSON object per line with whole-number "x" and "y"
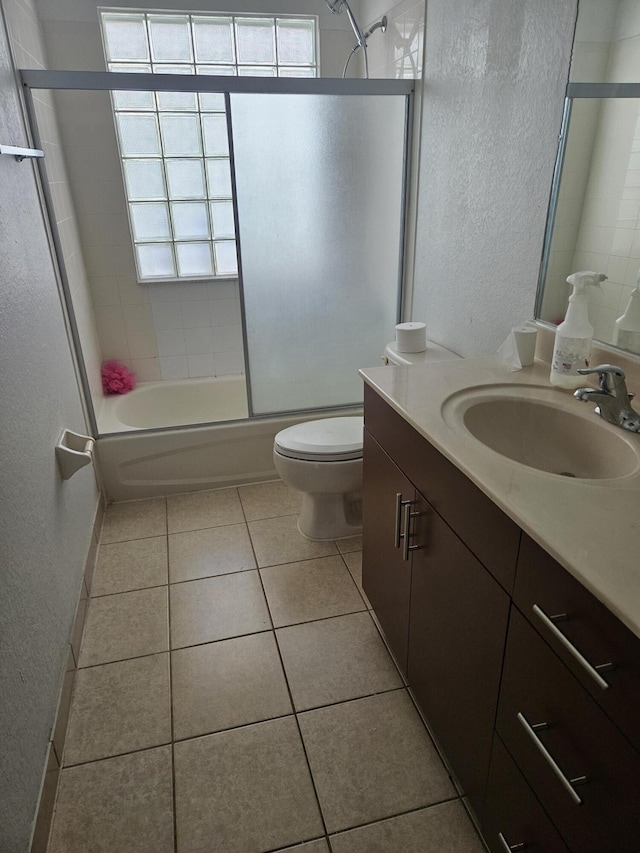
{"x": 323, "y": 460}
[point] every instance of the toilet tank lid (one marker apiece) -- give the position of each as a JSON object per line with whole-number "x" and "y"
{"x": 323, "y": 437}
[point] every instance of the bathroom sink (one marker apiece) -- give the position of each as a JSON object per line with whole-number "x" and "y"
{"x": 545, "y": 429}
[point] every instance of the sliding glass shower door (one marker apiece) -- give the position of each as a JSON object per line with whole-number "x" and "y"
{"x": 320, "y": 204}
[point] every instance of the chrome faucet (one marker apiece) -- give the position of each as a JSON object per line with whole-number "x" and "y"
{"x": 612, "y": 397}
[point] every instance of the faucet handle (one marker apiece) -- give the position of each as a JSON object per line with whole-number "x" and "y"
{"x": 603, "y": 368}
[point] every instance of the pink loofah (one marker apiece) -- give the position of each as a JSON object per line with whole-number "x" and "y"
{"x": 116, "y": 378}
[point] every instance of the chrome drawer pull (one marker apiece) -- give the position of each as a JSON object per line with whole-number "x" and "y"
{"x": 548, "y": 621}
{"x": 406, "y": 533}
{"x": 399, "y": 504}
{"x": 567, "y": 784}
{"x": 509, "y": 848}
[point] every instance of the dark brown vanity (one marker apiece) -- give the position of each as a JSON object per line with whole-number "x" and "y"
{"x": 528, "y": 683}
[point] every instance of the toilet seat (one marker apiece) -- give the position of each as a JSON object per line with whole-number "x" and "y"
{"x": 327, "y": 440}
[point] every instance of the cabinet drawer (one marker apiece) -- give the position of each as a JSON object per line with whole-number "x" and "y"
{"x": 593, "y": 814}
{"x": 481, "y": 525}
{"x": 594, "y": 635}
{"x": 512, "y": 814}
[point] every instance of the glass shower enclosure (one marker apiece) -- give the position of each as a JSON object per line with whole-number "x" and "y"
{"x": 319, "y": 172}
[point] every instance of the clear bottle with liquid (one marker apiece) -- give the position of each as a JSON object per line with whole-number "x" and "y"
{"x": 574, "y": 336}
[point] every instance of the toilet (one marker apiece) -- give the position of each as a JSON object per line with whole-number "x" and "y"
{"x": 323, "y": 460}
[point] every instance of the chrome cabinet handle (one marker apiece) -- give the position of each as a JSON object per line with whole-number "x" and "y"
{"x": 549, "y": 622}
{"x": 406, "y": 531}
{"x": 399, "y": 504}
{"x": 566, "y": 783}
{"x": 509, "y": 848}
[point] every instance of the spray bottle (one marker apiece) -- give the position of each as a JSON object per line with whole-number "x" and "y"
{"x": 574, "y": 336}
{"x": 627, "y": 329}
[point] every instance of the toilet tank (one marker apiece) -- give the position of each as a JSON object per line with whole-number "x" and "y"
{"x": 433, "y": 352}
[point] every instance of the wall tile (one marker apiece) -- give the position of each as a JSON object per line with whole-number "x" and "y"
{"x": 195, "y": 315}
{"x": 200, "y": 365}
{"x": 171, "y": 342}
{"x": 146, "y": 369}
{"x": 167, "y": 315}
{"x": 174, "y": 367}
{"x": 142, "y": 344}
{"x": 138, "y": 317}
{"x": 229, "y": 363}
{"x": 225, "y": 312}
{"x": 104, "y": 290}
{"x": 199, "y": 341}
{"x": 227, "y": 338}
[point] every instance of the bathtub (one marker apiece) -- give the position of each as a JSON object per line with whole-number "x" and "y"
{"x": 141, "y": 458}
{"x": 154, "y": 405}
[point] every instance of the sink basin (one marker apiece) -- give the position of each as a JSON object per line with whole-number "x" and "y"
{"x": 545, "y": 429}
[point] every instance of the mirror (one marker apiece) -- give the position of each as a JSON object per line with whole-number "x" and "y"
{"x": 594, "y": 214}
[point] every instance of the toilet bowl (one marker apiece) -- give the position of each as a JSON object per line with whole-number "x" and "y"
{"x": 323, "y": 460}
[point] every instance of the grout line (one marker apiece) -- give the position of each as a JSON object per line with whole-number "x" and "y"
{"x": 171, "y": 709}
{"x": 115, "y": 755}
{"x": 295, "y": 715}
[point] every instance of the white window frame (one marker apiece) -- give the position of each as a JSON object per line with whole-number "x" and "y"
{"x": 204, "y": 107}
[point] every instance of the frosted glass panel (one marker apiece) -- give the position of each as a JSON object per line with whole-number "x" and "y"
{"x": 226, "y": 258}
{"x": 180, "y": 135}
{"x": 170, "y": 38}
{"x": 219, "y": 178}
{"x": 144, "y": 179}
{"x": 222, "y": 219}
{"x": 194, "y": 258}
{"x": 319, "y": 191}
{"x": 155, "y": 260}
{"x": 216, "y": 141}
{"x": 168, "y": 101}
{"x": 213, "y": 39}
{"x": 125, "y": 38}
{"x": 150, "y": 222}
{"x": 255, "y": 40}
{"x": 190, "y": 221}
{"x": 296, "y": 42}
{"x": 185, "y": 178}
{"x": 138, "y": 135}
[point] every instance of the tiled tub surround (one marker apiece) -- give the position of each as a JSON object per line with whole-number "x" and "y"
{"x": 235, "y": 695}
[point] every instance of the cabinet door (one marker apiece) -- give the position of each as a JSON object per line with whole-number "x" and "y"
{"x": 512, "y": 814}
{"x": 457, "y": 633}
{"x": 582, "y": 769}
{"x": 386, "y": 577}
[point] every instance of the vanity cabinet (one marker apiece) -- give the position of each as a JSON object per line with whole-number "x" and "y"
{"x": 529, "y": 684}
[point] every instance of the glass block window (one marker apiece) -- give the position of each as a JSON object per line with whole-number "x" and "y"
{"x": 174, "y": 145}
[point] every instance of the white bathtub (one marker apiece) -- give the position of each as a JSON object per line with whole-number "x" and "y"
{"x": 167, "y": 404}
{"x": 137, "y": 464}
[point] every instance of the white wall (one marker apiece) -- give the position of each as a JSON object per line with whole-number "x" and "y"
{"x": 495, "y": 74}
{"x": 45, "y": 523}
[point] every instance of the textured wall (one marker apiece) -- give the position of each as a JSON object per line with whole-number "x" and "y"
{"x": 45, "y": 524}
{"x": 495, "y": 73}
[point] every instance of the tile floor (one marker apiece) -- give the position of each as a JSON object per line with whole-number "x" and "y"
{"x": 235, "y": 695}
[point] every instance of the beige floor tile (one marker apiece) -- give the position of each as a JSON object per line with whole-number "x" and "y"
{"x": 125, "y": 566}
{"x": 444, "y": 828}
{"x": 248, "y": 788}
{"x": 335, "y": 659}
{"x": 354, "y": 564}
{"x": 118, "y": 708}
{"x": 198, "y": 510}
{"x": 216, "y": 551}
{"x": 308, "y": 590}
{"x": 277, "y": 541}
{"x": 350, "y": 544}
{"x": 127, "y": 625}
{"x": 372, "y": 758}
{"x": 120, "y": 804}
{"x": 269, "y": 500}
{"x": 225, "y": 684}
{"x": 319, "y": 846}
{"x": 134, "y": 520}
{"x": 217, "y": 608}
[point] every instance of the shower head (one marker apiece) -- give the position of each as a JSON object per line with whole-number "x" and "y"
{"x": 336, "y": 6}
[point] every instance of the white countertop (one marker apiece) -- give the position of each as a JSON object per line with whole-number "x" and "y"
{"x": 591, "y": 527}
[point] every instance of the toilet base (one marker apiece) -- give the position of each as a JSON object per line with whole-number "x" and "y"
{"x": 327, "y": 517}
